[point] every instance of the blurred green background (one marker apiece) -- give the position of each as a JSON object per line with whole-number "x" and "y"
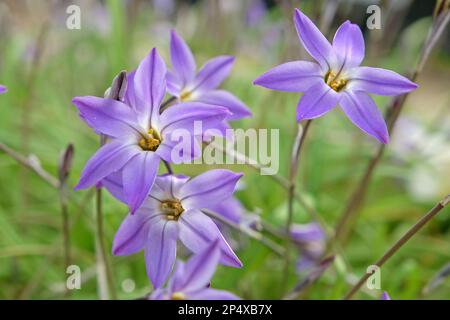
{"x": 44, "y": 65}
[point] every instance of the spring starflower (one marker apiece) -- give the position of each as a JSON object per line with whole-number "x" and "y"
{"x": 3, "y": 89}
{"x": 139, "y": 137}
{"x": 191, "y": 280}
{"x": 336, "y": 78}
{"x": 187, "y": 85}
{"x": 172, "y": 212}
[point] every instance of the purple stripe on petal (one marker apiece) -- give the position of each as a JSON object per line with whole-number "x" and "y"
{"x": 108, "y": 159}
{"x": 293, "y": 76}
{"x": 161, "y": 251}
{"x": 138, "y": 177}
{"x": 313, "y": 40}
{"x": 379, "y": 81}
{"x": 150, "y": 84}
{"x": 213, "y": 73}
{"x": 317, "y": 101}
{"x": 348, "y": 44}
{"x": 183, "y": 62}
{"x": 225, "y": 99}
{"x": 209, "y": 188}
{"x": 364, "y": 113}
{"x": 198, "y": 230}
{"x": 200, "y": 268}
{"x": 107, "y": 116}
{"x": 3, "y": 89}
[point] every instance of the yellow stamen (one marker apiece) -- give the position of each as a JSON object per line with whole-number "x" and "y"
{"x": 172, "y": 208}
{"x": 334, "y": 81}
{"x": 185, "y": 95}
{"x": 150, "y": 142}
{"x": 178, "y": 296}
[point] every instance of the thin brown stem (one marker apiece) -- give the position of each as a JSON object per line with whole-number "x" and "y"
{"x": 295, "y": 158}
{"x": 397, "y": 245}
{"x": 105, "y": 279}
{"x": 64, "y": 168}
{"x": 354, "y": 204}
{"x": 276, "y": 248}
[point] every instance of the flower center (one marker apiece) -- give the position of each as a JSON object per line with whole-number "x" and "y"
{"x": 172, "y": 209}
{"x": 334, "y": 81}
{"x": 185, "y": 95}
{"x": 178, "y": 296}
{"x": 150, "y": 142}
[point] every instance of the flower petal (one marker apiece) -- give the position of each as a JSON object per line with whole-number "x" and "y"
{"x": 379, "y": 81}
{"x": 209, "y": 188}
{"x": 183, "y": 62}
{"x": 109, "y": 158}
{"x": 161, "y": 251}
{"x": 132, "y": 235}
{"x": 364, "y": 113}
{"x": 212, "y": 74}
{"x": 212, "y": 294}
{"x": 107, "y": 116}
{"x": 113, "y": 183}
{"x": 150, "y": 85}
{"x": 348, "y": 44}
{"x": 313, "y": 40}
{"x": 293, "y": 76}
{"x": 200, "y": 268}
{"x": 198, "y": 230}
{"x": 174, "y": 84}
{"x": 3, "y": 89}
{"x": 317, "y": 101}
{"x": 138, "y": 177}
{"x": 184, "y": 115}
{"x": 225, "y": 99}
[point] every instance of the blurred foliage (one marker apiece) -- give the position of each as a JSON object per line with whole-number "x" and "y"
{"x": 44, "y": 65}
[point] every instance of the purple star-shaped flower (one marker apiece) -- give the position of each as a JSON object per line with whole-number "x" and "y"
{"x": 139, "y": 136}
{"x": 191, "y": 280}
{"x": 336, "y": 78}
{"x": 184, "y": 83}
{"x": 310, "y": 239}
{"x": 172, "y": 211}
{"x": 3, "y": 89}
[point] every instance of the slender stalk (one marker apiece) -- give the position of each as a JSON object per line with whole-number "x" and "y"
{"x": 248, "y": 232}
{"x": 31, "y": 163}
{"x": 357, "y": 197}
{"x": 168, "y": 167}
{"x": 65, "y": 165}
{"x": 105, "y": 278}
{"x": 397, "y": 245}
{"x": 295, "y": 158}
{"x": 282, "y": 181}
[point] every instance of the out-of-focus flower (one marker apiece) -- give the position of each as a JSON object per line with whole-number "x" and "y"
{"x": 172, "y": 211}
{"x": 425, "y": 156}
{"x": 3, "y": 89}
{"x": 385, "y": 296}
{"x": 139, "y": 136}
{"x": 187, "y": 85}
{"x": 310, "y": 239}
{"x": 256, "y": 12}
{"x": 336, "y": 78}
{"x": 191, "y": 280}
